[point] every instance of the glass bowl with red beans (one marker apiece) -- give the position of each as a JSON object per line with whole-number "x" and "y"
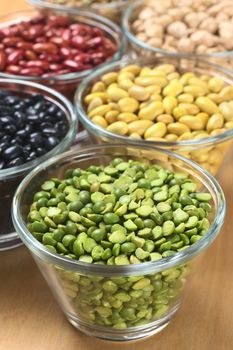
{"x": 112, "y": 9}
{"x": 57, "y": 49}
{"x": 36, "y": 123}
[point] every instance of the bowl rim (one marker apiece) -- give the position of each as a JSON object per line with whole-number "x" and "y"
{"x": 96, "y": 20}
{"x": 95, "y": 129}
{"x": 143, "y": 45}
{"x": 63, "y": 144}
{"x": 100, "y": 6}
{"x": 111, "y": 270}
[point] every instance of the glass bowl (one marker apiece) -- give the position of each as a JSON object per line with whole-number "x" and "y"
{"x": 11, "y": 177}
{"x": 67, "y": 83}
{"x": 112, "y": 10}
{"x": 222, "y": 58}
{"x": 92, "y": 295}
{"x": 208, "y": 152}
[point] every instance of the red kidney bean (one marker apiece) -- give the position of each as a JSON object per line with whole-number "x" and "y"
{"x": 32, "y": 71}
{"x": 13, "y": 69}
{"x": 15, "y": 56}
{"x": 78, "y": 42}
{"x": 45, "y": 47}
{"x": 49, "y": 46}
{"x": 24, "y": 45}
{"x": 3, "y": 60}
{"x": 11, "y": 41}
{"x": 30, "y": 55}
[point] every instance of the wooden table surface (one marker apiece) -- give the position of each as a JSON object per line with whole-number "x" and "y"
{"x": 30, "y": 319}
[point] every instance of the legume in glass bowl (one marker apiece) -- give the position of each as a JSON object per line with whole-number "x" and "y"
{"x": 165, "y": 102}
{"x": 111, "y": 9}
{"x": 57, "y": 49}
{"x": 195, "y": 28}
{"x": 117, "y": 246}
{"x": 36, "y": 123}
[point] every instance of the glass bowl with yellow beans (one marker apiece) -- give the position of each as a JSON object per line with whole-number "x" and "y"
{"x": 165, "y": 102}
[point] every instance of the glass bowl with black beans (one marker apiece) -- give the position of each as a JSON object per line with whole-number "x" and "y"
{"x": 114, "y": 230}
{"x": 36, "y": 123}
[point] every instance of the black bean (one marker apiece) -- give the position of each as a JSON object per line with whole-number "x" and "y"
{"x": 49, "y": 131}
{"x": 51, "y": 142}
{"x": 40, "y": 151}
{"x": 12, "y": 152}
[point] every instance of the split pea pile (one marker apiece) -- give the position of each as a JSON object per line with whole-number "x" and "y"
{"x": 186, "y": 25}
{"x": 127, "y": 212}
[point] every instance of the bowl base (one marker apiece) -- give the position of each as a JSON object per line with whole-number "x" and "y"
{"x": 123, "y": 335}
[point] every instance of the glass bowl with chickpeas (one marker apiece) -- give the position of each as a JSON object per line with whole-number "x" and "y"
{"x": 200, "y": 28}
{"x": 171, "y": 103}
{"x": 111, "y": 9}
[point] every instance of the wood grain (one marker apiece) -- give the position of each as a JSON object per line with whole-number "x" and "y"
{"x": 31, "y": 319}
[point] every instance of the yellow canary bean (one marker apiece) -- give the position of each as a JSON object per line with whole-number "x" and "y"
{"x": 202, "y": 135}
{"x": 125, "y": 75}
{"x": 99, "y": 87}
{"x": 115, "y": 93}
{"x": 173, "y": 89}
{"x": 215, "y": 84}
{"x": 133, "y": 68}
{"x": 186, "y": 136}
{"x": 177, "y": 128}
{"x": 125, "y": 84}
{"x": 120, "y": 128}
{"x": 165, "y": 118}
{"x": 169, "y": 103}
{"x": 205, "y": 77}
{"x": 207, "y": 105}
{"x": 185, "y": 98}
{"x": 109, "y": 78}
{"x": 167, "y": 68}
{"x": 153, "y": 89}
{"x": 229, "y": 125}
{"x": 101, "y": 110}
{"x": 215, "y": 98}
{"x": 178, "y": 112}
{"x": 111, "y": 116}
{"x": 157, "y": 130}
{"x": 114, "y": 106}
{"x": 171, "y": 137}
{"x": 199, "y": 82}
{"x": 190, "y": 108}
{"x": 127, "y": 117}
{"x": 145, "y": 71}
{"x": 202, "y": 157}
{"x": 227, "y": 111}
{"x": 128, "y": 104}
{"x": 135, "y": 136}
{"x": 157, "y": 73}
{"x": 90, "y": 97}
{"x": 155, "y": 97}
{"x": 173, "y": 75}
{"x": 96, "y": 102}
{"x": 151, "y": 111}
{"x": 186, "y": 77}
{"x": 226, "y": 93}
{"x": 195, "y": 90}
{"x": 193, "y": 122}
{"x": 216, "y": 121}
{"x": 100, "y": 121}
{"x": 204, "y": 117}
{"x": 139, "y": 126}
{"x": 150, "y": 80}
{"x": 217, "y": 132}
{"x": 139, "y": 93}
